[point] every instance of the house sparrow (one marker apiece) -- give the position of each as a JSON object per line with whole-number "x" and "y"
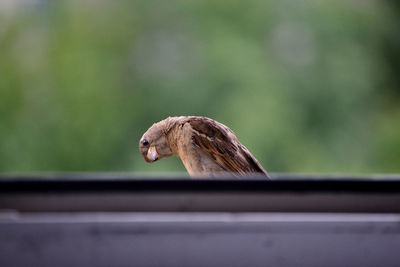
{"x": 205, "y": 146}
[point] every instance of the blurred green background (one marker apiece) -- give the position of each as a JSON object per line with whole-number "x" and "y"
{"x": 308, "y": 86}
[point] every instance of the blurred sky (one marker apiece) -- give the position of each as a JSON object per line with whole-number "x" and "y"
{"x": 308, "y": 86}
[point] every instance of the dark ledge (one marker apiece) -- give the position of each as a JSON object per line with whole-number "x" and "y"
{"x": 285, "y": 193}
{"x": 117, "y": 183}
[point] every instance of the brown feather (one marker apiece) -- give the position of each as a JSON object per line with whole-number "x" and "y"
{"x": 205, "y": 146}
{"x": 221, "y": 144}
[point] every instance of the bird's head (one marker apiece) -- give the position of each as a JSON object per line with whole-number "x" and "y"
{"x": 154, "y": 144}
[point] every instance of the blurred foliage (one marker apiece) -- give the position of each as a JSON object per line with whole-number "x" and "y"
{"x": 308, "y": 86}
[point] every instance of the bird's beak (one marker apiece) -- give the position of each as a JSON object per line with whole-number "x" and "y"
{"x": 152, "y": 153}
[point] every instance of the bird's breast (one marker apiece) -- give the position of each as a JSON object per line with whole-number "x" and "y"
{"x": 198, "y": 162}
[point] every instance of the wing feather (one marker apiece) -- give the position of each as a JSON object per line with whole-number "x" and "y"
{"x": 221, "y": 144}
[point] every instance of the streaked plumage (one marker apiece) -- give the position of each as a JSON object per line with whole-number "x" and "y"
{"x": 205, "y": 146}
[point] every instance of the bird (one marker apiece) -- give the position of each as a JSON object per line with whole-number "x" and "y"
{"x": 206, "y": 147}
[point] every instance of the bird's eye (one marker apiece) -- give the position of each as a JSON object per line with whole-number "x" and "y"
{"x": 145, "y": 142}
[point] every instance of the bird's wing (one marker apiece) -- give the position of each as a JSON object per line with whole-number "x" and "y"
{"x": 221, "y": 144}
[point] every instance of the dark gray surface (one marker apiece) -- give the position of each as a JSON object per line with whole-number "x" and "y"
{"x": 78, "y": 220}
{"x": 65, "y": 193}
{"x": 202, "y": 201}
{"x": 199, "y": 239}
